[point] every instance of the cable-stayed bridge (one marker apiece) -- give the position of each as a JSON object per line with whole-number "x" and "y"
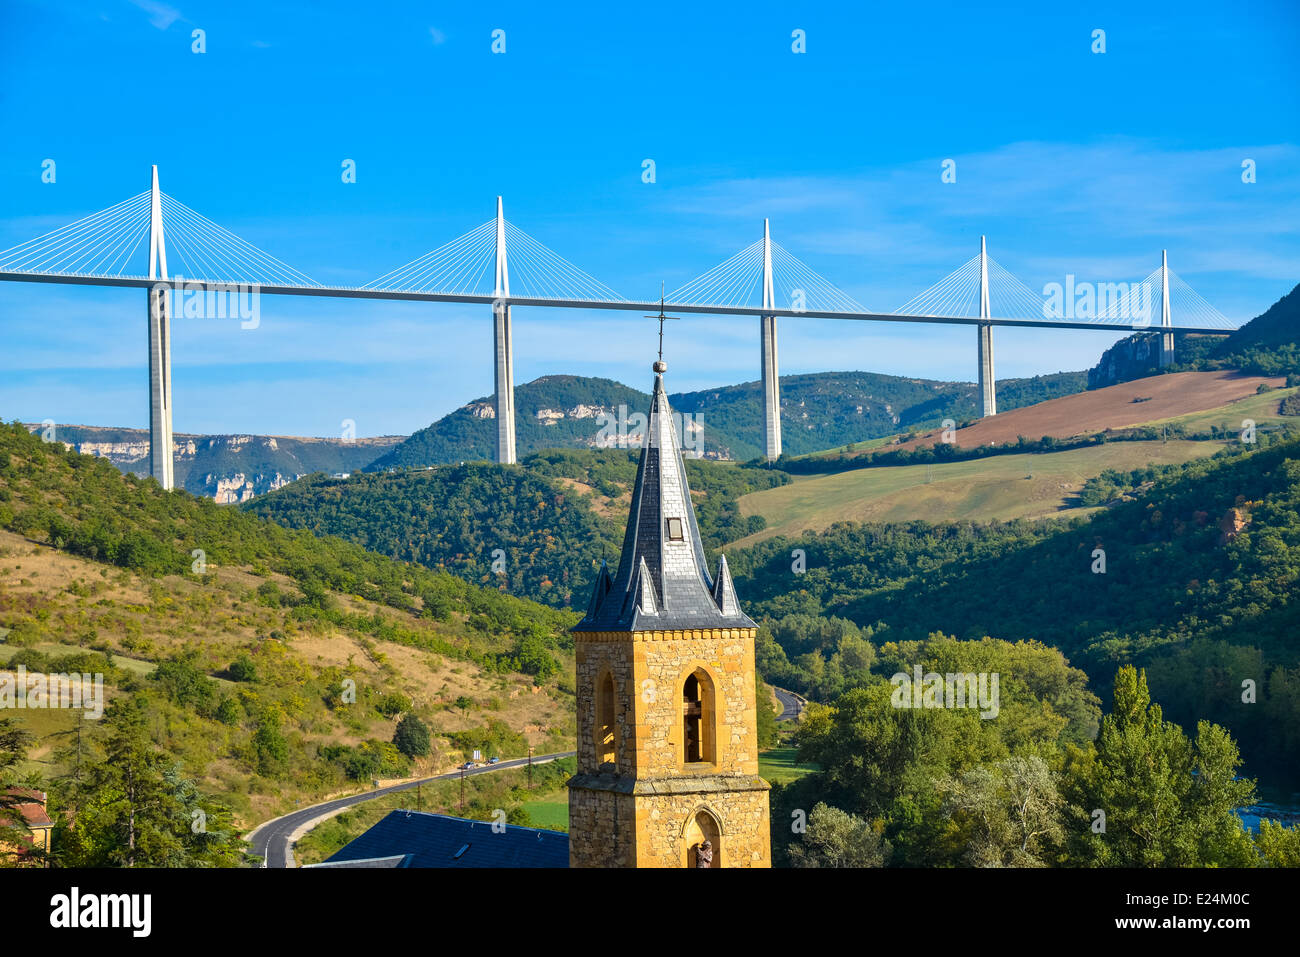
{"x": 133, "y": 243}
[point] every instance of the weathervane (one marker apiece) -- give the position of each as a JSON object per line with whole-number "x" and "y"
{"x": 661, "y": 317}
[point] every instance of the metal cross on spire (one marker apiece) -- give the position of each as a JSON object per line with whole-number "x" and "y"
{"x": 661, "y": 317}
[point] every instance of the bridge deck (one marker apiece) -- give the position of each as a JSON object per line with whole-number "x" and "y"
{"x": 399, "y": 295}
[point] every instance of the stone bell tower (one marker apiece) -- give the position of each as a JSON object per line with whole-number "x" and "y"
{"x": 667, "y": 727}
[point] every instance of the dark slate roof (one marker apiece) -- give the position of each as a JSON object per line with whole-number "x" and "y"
{"x": 420, "y": 839}
{"x": 662, "y": 584}
{"x": 372, "y": 863}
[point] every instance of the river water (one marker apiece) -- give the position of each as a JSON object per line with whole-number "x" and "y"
{"x": 1278, "y": 803}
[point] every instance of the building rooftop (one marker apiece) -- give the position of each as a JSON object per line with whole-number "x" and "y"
{"x": 30, "y": 805}
{"x": 420, "y": 839}
{"x": 663, "y": 581}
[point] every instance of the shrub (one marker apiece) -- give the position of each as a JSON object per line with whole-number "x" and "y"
{"x": 412, "y": 737}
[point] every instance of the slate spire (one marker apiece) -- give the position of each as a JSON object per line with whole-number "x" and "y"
{"x": 663, "y": 582}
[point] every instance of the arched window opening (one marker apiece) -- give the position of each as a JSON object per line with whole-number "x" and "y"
{"x": 697, "y": 719}
{"x": 702, "y": 841}
{"x": 605, "y": 751}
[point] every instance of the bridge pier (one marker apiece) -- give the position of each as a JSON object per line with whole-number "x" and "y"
{"x": 504, "y": 383}
{"x": 1166, "y": 319}
{"x": 504, "y": 378}
{"x": 161, "y": 448}
{"x": 988, "y": 388}
{"x": 770, "y": 369}
{"x": 988, "y": 394}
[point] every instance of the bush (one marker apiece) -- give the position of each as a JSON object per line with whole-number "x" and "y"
{"x": 393, "y": 704}
{"x": 270, "y": 749}
{"x": 243, "y": 668}
{"x": 412, "y": 737}
{"x": 185, "y": 684}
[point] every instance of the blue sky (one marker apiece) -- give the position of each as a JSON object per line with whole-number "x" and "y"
{"x": 1070, "y": 162}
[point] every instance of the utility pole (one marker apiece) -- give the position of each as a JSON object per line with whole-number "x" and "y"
{"x": 530, "y": 748}
{"x": 462, "y": 789}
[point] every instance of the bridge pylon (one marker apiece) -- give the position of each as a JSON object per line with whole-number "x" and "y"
{"x": 503, "y": 349}
{"x": 770, "y": 370}
{"x": 1166, "y": 317}
{"x": 161, "y": 449}
{"x": 988, "y": 391}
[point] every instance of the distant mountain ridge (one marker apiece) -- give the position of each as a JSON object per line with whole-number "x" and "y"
{"x": 819, "y": 410}
{"x": 226, "y": 468}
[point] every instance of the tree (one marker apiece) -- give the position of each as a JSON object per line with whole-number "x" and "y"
{"x": 1167, "y": 801}
{"x": 137, "y": 809}
{"x": 270, "y": 749}
{"x": 1011, "y": 809}
{"x": 835, "y": 838}
{"x": 1278, "y": 845}
{"x": 412, "y": 736}
{"x": 243, "y": 668}
{"x": 13, "y": 749}
{"x": 185, "y": 683}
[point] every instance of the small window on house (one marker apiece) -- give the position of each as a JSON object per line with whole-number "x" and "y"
{"x": 674, "y": 529}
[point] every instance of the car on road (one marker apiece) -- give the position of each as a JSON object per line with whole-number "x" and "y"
{"x": 467, "y": 765}
{"x": 493, "y": 760}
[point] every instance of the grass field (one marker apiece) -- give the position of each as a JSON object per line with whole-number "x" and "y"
{"x": 1260, "y": 408}
{"x": 1000, "y": 487}
{"x": 778, "y": 766}
{"x": 133, "y": 665}
{"x": 549, "y": 811}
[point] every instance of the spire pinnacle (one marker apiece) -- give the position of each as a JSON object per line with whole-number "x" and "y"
{"x": 660, "y": 366}
{"x": 662, "y": 582}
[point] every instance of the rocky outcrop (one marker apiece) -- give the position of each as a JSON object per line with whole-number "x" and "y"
{"x": 1132, "y": 358}
{"x": 239, "y": 488}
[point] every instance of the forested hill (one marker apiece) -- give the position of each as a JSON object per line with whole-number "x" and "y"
{"x": 247, "y": 669}
{"x": 83, "y": 505}
{"x": 537, "y": 529}
{"x": 819, "y": 411}
{"x": 1200, "y": 584}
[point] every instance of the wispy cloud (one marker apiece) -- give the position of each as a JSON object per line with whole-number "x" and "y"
{"x": 161, "y": 16}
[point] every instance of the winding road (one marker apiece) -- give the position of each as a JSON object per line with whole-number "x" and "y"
{"x": 273, "y": 841}
{"x": 791, "y": 704}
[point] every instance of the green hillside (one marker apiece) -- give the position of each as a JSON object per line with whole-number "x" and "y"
{"x": 1277, "y": 327}
{"x": 559, "y": 411}
{"x": 247, "y": 667}
{"x": 1199, "y": 585}
{"x": 537, "y": 529}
